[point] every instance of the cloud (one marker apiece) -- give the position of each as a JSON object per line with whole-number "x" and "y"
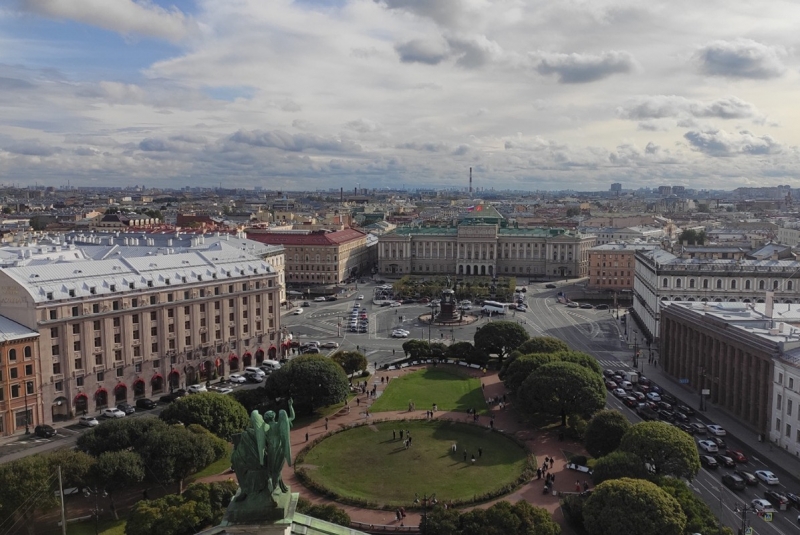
{"x": 32, "y": 147}
{"x": 424, "y": 147}
{"x": 443, "y": 12}
{"x": 121, "y": 16}
{"x": 741, "y": 58}
{"x": 14, "y": 84}
{"x": 668, "y": 106}
{"x": 363, "y": 126}
{"x": 475, "y": 51}
{"x": 584, "y": 68}
{"x": 722, "y": 143}
{"x": 427, "y": 51}
{"x": 153, "y": 145}
{"x": 293, "y": 142}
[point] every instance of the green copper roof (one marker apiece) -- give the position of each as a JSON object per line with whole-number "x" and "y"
{"x": 483, "y": 212}
{"x": 453, "y": 231}
{"x": 439, "y": 231}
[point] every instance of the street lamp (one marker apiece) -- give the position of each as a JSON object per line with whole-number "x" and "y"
{"x": 426, "y": 501}
{"x": 635, "y": 349}
{"x": 27, "y": 416}
{"x": 702, "y": 386}
{"x": 94, "y": 491}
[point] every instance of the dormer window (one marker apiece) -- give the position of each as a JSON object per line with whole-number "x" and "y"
{"x": 92, "y": 290}
{"x": 49, "y": 296}
{"x": 113, "y": 288}
{"x": 72, "y": 293}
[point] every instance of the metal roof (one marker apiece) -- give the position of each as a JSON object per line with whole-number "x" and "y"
{"x": 11, "y": 330}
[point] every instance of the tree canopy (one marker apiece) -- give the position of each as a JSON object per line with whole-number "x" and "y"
{"x": 669, "y": 451}
{"x": 117, "y": 470}
{"x": 692, "y": 237}
{"x": 500, "y": 338}
{"x": 543, "y": 344}
{"x": 466, "y": 351}
{"x": 350, "y": 361}
{"x": 632, "y": 507}
{"x": 604, "y": 432}
{"x": 118, "y": 434}
{"x": 220, "y": 414}
{"x": 313, "y": 381}
{"x": 27, "y": 487}
{"x": 175, "y": 453}
{"x": 562, "y": 389}
{"x": 617, "y": 465}
{"x": 327, "y": 512}
{"x": 519, "y": 370}
{"x": 417, "y": 349}
{"x": 502, "y": 518}
{"x": 699, "y": 517}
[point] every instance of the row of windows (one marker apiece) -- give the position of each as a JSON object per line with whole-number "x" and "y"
{"x": 17, "y": 390}
{"x": 27, "y": 352}
{"x": 170, "y": 296}
{"x": 732, "y": 284}
{"x": 13, "y": 373}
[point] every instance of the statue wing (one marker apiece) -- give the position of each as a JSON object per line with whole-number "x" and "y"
{"x": 284, "y": 425}
{"x": 260, "y": 428}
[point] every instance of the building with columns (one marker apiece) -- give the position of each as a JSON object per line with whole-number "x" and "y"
{"x": 746, "y": 355}
{"x": 481, "y": 244}
{"x": 119, "y": 321}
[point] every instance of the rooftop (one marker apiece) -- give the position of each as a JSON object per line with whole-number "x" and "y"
{"x": 11, "y": 330}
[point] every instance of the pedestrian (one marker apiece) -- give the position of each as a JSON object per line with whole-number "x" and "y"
{"x": 483, "y": 386}
{"x": 491, "y": 423}
{"x": 504, "y": 398}
{"x": 480, "y": 452}
{"x": 552, "y": 478}
{"x": 403, "y": 512}
{"x": 538, "y": 473}
{"x": 326, "y": 423}
{"x": 585, "y": 486}
{"x": 358, "y": 402}
{"x": 381, "y": 379}
{"x": 465, "y": 454}
{"x": 306, "y": 437}
{"x": 397, "y": 514}
{"x": 473, "y": 459}
{"x": 145, "y": 496}
{"x": 577, "y": 486}
{"x": 401, "y": 434}
{"x": 453, "y": 447}
{"x": 546, "y": 459}
{"x": 552, "y": 460}
{"x": 394, "y": 434}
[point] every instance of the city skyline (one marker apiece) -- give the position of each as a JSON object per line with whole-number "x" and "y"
{"x": 316, "y": 95}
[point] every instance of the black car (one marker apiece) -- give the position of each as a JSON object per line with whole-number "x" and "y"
{"x": 709, "y": 462}
{"x": 145, "y": 403}
{"x": 719, "y": 442}
{"x": 44, "y": 431}
{"x": 794, "y": 499}
{"x": 386, "y": 304}
{"x": 127, "y": 408}
{"x": 253, "y": 377}
{"x": 408, "y": 301}
{"x": 668, "y": 398}
{"x": 666, "y": 415}
{"x": 550, "y": 285}
{"x": 330, "y": 298}
{"x": 680, "y": 417}
{"x": 683, "y": 426}
{"x": 179, "y": 392}
{"x": 733, "y": 482}
{"x": 688, "y": 411}
{"x": 305, "y": 304}
{"x": 725, "y": 461}
{"x": 749, "y": 478}
{"x": 778, "y": 500}
{"x": 168, "y": 398}
{"x": 601, "y": 307}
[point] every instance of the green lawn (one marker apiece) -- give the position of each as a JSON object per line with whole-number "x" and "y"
{"x": 217, "y": 467}
{"x": 106, "y": 527}
{"x": 428, "y": 466}
{"x": 449, "y": 388}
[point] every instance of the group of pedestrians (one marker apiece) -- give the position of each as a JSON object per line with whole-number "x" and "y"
{"x": 406, "y": 441}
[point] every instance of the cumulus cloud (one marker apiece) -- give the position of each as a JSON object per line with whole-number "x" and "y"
{"x": 32, "y": 147}
{"x": 427, "y": 51}
{"x": 425, "y": 147}
{"x": 443, "y": 12}
{"x": 122, "y": 16}
{"x": 722, "y": 143}
{"x": 475, "y": 51}
{"x": 584, "y": 68}
{"x": 671, "y": 106}
{"x": 741, "y": 58}
{"x": 293, "y": 142}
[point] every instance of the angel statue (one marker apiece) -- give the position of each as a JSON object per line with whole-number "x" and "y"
{"x": 279, "y": 446}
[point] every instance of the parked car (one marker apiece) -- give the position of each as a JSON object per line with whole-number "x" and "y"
{"x": 237, "y": 378}
{"x": 653, "y": 396}
{"x": 601, "y": 307}
{"x": 767, "y": 477}
{"x": 146, "y": 404}
{"x": 716, "y": 430}
{"x": 736, "y": 455}
{"x": 733, "y": 482}
{"x": 88, "y": 421}
{"x": 611, "y": 385}
{"x": 44, "y": 431}
{"x": 550, "y": 285}
{"x": 112, "y": 412}
{"x": 709, "y": 462}
{"x": 630, "y": 401}
{"x": 688, "y": 411}
{"x": 778, "y": 500}
{"x": 719, "y": 442}
{"x": 619, "y": 392}
{"x": 725, "y": 461}
{"x": 360, "y": 297}
{"x": 127, "y": 408}
{"x": 330, "y": 298}
{"x": 168, "y": 398}
{"x": 198, "y": 388}
{"x": 699, "y": 429}
{"x": 329, "y": 345}
{"x": 708, "y": 446}
{"x": 306, "y": 304}
{"x": 680, "y": 417}
{"x": 762, "y": 506}
{"x": 319, "y": 299}
{"x": 251, "y": 377}
{"x": 310, "y": 350}
{"x": 586, "y": 306}
{"x": 685, "y": 427}
{"x": 749, "y": 478}
{"x": 573, "y": 304}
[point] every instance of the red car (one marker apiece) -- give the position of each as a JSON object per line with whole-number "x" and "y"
{"x": 736, "y": 455}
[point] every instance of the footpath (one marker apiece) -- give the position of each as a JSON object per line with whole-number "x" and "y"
{"x": 541, "y": 444}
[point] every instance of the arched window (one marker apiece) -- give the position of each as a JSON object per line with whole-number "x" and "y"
{"x": 774, "y": 285}
{"x": 691, "y": 283}
{"x": 719, "y": 284}
{"x": 12, "y": 354}
{"x": 28, "y": 352}
{"x": 762, "y": 285}
{"x": 665, "y": 283}
{"x": 705, "y": 284}
{"x": 733, "y": 284}
{"x": 677, "y": 283}
{"x": 789, "y": 285}
{"x": 747, "y": 284}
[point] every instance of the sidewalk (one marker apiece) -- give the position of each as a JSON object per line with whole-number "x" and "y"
{"x": 541, "y": 444}
{"x": 747, "y": 436}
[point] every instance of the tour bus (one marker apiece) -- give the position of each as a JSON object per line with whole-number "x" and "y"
{"x": 493, "y": 307}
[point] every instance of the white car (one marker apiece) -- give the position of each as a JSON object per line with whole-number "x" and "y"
{"x": 88, "y": 421}
{"x": 394, "y": 304}
{"x": 654, "y": 396}
{"x": 399, "y": 334}
{"x": 297, "y": 311}
{"x": 619, "y": 392}
{"x": 522, "y": 308}
{"x": 113, "y": 412}
{"x": 236, "y": 378}
{"x": 319, "y": 299}
{"x": 767, "y": 477}
{"x": 196, "y": 389}
{"x": 360, "y": 297}
{"x": 222, "y": 390}
{"x": 708, "y": 446}
{"x": 762, "y": 506}
{"x": 716, "y": 430}
{"x": 329, "y": 345}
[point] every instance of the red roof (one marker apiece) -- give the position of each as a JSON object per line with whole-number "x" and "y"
{"x": 312, "y": 238}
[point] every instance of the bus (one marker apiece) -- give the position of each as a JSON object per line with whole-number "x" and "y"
{"x": 494, "y": 307}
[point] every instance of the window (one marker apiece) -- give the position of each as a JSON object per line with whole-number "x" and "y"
{"x": 779, "y": 404}
{"x": 762, "y": 285}
{"x": 79, "y": 364}
{"x": 53, "y": 314}
{"x": 135, "y": 319}
{"x": 665, "y": 283}
{"x": 777, "y": 424}
{"x": 96, "y": 325}
{"x": 705, "y": 284}
{"x": 120, "y": 372}
{"x": 79, "y": 381}
{"x": 171, "y": 313}
{"x": 13, "y": 373}
{"x": 791, "y": 383}
{"x": 186, "y": 311}
{"x": 153, "y": 331}
{"x": 154, "y": 347}
{"x": 74, "y": 312}
{"x": 76, "y": 345}
{"x": 101, "y": 377}
{"x": 188, "y": 340}
{"x": 137, "y": 351}
{"x": 747, "y": 284}
{"x": 156, "y": 364}
{"x": 76, "y": 329}
{"x": 97, "y": 342}
{"x": 788, "y": 430}
{"x": 780, "y": 378}
{"x": 136, "y": 334}
{"x": 733, "y": 285}
{"x": 117, "y": 338}
{"x": 691, "y": 283}
{"x": 55, "y": 350}
{"x": 152, "y": 299}
{"x": 789, "y": 407}
{"x": 59, "y": 386}
{"x": 774, "y": 285}
{"x": 677, "y": 283}
{"x": 96, "y": 308}
{"x": 187, "y": 325}
{"x": 203, "y": 307}
{"x": 115, "y": 305}
{"x": 186, "y": 295}
{"x": 134, "y": 302}
{"x": 171, "y": 328}
{"x": 54, "y": 332}
{"x": 153, "y": 315}
{"x": 15, "y": 394}
{"x": 117, "y": 322}
{"x": 137, "y": 368}
{"x": 230, "y": 301}
{"x": 56, "y": 368}
{"x": 98, "y": 360}
{"x": 12, "y": 354}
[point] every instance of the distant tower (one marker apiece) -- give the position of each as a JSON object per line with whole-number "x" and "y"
{"x": 470, "y": 180}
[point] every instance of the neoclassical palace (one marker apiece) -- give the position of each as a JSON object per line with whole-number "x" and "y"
{"x": 483, "y": 244}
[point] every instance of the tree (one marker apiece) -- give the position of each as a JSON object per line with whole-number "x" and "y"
{"x": 170, "y": 515}
{"x": 75, "y": 466}
{"x": 220, "y": 414}
{"x": 500, "y": 338}
{"x": 521, "y": 368}
{"x": 350, "y": 361}
{"x": 118, "y": 434}
{"x": 27, "y": 487}
{"x": 251, "y": 399}
{"x": 502, "y": 518}
{"x": 604, "y": 432}
{"x": 175, "y": 453}
{"x": 584, "y": 359}
{"x": 562, "y": 389}
{"x": 313, "y": 381}
{"x": 543, "y": 344}
{"x": 417, "y": 349}
{"x": 633, "y": 507}
{"x": 669, "y": 451}
{"x": 117, "y": 470}
{"x": 326, "y": 512}
{"x": 692, "y": 237}
{"x": 617, "y": 465}
{"x": 699, "y": 517}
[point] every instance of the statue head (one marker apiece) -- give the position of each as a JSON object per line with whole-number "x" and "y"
{"x": 269, "y": 416}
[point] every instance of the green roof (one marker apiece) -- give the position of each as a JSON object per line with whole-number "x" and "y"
{"x": 483, "y": 212}
{"x": 543, "y": 232}
{"x": 440, "y": 231}
{"x": 453, "y": 231}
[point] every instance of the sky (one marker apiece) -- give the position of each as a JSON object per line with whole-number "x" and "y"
{"x": 318, "y": 94}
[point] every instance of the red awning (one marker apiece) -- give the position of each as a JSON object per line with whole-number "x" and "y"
{"x": 217, "y": 362}
{"x": 81, "y": 395}
{"x": 100, "y": 391}
{"x": 120, "y": 386}
{"x": 157, "y": 377}
{"x": 271, "y": 347}
{"x": 261, "y": 350}
{"x": 232, "y": 358}
{"x": 137, "y": 381}
{"x": 247, "y": 354}
{"x": 175, "y": 372}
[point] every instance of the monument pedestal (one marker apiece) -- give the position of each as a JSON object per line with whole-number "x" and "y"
{"x": 261, "y": 515}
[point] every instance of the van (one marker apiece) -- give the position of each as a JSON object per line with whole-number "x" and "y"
{"x": 271, "y": 365}
{"x": 632, "y": 377}
{"x": 626, "y": 385}
{"x": 257, "y": 371}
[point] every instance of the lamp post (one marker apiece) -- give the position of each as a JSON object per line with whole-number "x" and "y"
{"x": 94, "y": 491}
{"x": 702, "y": 386}
{"x": 169, "y": 378}
{"x": 426, "y": 501}
{"x": 27, "y": 416}
{"x": 635, "y": 349}
{"x": 433, "y": 316}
